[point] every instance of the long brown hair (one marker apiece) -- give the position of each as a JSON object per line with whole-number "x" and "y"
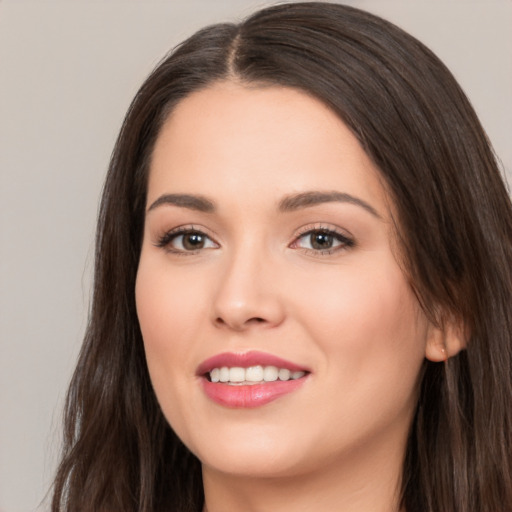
{"x": 455, "y": 227}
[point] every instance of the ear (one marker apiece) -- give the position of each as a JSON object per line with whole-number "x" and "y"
{"x": 445, "y": 340}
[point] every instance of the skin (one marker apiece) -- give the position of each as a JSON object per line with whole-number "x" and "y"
{"x": 349, "y": 314}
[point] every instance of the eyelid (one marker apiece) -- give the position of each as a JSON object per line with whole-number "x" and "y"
{"x": 341, "y": 235}
{"x": 164, "y": 240}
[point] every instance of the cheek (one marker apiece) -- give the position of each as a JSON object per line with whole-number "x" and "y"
{"x": 167, "y": 305}
{"x": 370, "y": 335}
{"x": 368, "y": 325}
{"x": 168, "y": 309}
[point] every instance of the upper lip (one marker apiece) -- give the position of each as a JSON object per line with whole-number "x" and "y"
{"x": 245, "y": 360}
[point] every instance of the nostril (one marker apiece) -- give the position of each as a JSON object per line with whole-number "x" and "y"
{"x": 219, "y": 321}
{"x": 255, "y": 320}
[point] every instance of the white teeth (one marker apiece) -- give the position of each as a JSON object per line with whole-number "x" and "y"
{"x": 224, "y": 374}
{"x": 253, "y": 374}
{"x": 284, "y": 374}
{"x": 270, "y": 373}
{"x": 215, "y": 375}
{"x": 236, "y": 374}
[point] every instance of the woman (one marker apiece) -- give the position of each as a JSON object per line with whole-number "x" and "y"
{"x": 303, "y": 294}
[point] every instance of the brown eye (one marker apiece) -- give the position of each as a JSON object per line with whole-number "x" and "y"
{"x": 186, "y": 241}
{"x": 323, "y": 241}
{"x": 190, "y": 241}
{"x": 193, "y": 241}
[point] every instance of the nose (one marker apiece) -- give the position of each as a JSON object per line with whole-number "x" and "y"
{"x": 248, "y": 294}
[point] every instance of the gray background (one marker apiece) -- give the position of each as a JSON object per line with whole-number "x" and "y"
{"x": 68, "y": 71}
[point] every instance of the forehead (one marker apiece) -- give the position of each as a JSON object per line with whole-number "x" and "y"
{"x": 242, "y": 140}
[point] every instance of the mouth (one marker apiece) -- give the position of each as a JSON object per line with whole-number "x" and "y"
{"x": 253, "y": 375}
{"x": 249, "y": 380}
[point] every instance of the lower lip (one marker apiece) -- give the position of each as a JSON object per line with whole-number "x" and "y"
{"x": 254, "y": 395}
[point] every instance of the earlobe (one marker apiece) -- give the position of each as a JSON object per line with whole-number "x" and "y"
{"x": 445, "y": 341}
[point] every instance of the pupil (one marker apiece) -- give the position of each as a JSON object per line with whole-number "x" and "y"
{"x": 321, "y": 241}
{"x": 193, "y": 241}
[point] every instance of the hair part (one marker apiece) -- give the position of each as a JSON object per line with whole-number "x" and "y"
{"x": 454, "y": 223}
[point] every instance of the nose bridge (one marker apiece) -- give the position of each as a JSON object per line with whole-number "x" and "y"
{"x": 247, "y": 294}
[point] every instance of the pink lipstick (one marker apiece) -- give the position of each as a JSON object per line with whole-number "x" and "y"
{"x": 250, "y": 379}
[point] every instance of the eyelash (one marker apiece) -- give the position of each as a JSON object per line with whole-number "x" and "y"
{"x": 167, "y": 238}
{"x": 345, "y": 242}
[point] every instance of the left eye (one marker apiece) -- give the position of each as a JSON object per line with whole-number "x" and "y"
{"x": 322, "y": 240}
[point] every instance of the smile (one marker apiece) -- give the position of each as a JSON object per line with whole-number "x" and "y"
{"x": 253, "y": 375}
{"x": 248, "y": 380}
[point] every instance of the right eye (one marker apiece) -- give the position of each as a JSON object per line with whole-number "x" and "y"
{"x": 186, "y": 240}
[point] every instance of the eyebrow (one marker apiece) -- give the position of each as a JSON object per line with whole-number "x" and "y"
{"x": 192, "y": 202}
{"x": 287, "y": 204}
{"x": 313, "y": 198}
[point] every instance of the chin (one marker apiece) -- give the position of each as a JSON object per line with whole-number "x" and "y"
{"x": 252, "y": 465}
{"x": 258, "y": 452}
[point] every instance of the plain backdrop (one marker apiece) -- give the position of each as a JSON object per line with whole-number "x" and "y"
{"x": 68, "y": 71}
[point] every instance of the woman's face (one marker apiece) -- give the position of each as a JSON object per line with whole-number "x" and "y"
{"x": 268, "y": 261}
